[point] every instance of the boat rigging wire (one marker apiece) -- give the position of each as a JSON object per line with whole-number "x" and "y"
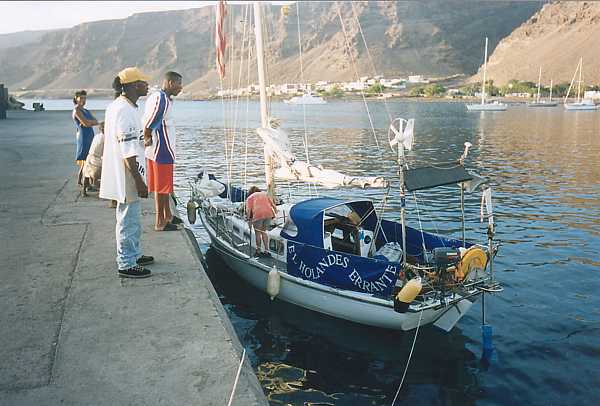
{"x": 302, "y": 81}
{"x": 387, "y": 109}
{"x": 362, "y": 92}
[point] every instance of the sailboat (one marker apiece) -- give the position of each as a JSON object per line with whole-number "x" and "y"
{"x": 340, "y": 257}
{"x": 485, "y": 106}
{"x": 306, "y": 98}
{"x": 542, "y": 103}
{"x": 580, "y": 104}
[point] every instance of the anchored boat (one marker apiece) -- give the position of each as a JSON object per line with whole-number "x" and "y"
{"x": 485, "y": 105}
{"x": 306, "y": 98}
{"x": 580, "y": 104}
{"x": 342, "y": 257}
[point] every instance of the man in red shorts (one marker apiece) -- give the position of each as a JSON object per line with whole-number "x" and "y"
{"x": 159, "y": 138}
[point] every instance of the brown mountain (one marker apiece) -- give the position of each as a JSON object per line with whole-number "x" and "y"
{"x": 434, "y": 38}
{"x": 554, "y": 38}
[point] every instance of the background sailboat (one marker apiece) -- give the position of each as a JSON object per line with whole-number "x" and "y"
{"x": 580, "y": 104}
{"x": 542, "y": 103}
{"x": 484, "y": 106}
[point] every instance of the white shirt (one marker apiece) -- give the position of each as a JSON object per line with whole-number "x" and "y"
{"x": 123, "y": 139}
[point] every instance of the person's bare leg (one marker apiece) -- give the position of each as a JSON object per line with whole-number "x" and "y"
{"x": 80, "y": 175}
{"x": 265, "y": 239}
{"x": 167, "y": 216}
{"x": 257, "y": 235}
{"x": 158, "y": 223}
{"x": 86, "y": 185}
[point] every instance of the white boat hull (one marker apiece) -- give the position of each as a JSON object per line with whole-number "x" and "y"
{"x": 351, "y": 306}
{"x": 306, "y": 99}
{"x": 542, "y": 104}
{"x": 580, "y": 106}
{"x": 487, "y": 107}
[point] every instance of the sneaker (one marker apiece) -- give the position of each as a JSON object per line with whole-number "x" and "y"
{"x": 176, "y": 220}
{"x": 145, "y": 260}
{"x": 168, "y": 227}
{"x": 137, "y": 271}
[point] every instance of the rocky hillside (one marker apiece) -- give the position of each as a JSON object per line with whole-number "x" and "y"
{"x": 434, "y": 38}
{"x": 554, "y": 38}
{"x": 16, "y": 39}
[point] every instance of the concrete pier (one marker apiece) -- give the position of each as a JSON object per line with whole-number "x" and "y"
{"x": 73, "y": 332}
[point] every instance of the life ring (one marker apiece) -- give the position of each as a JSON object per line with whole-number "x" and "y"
{"x": 474, "y": 258}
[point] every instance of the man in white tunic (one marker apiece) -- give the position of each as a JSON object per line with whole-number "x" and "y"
{"x": 124, "y": 172}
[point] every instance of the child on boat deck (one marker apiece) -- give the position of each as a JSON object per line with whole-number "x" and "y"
{"x": 260, "y": 209}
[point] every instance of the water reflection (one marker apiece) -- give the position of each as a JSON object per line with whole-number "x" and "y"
{"x": 544, "y": 169}
{"x": 303, "y": 356}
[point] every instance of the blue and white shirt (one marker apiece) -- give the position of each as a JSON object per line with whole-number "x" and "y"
{"x": 157, "y": 116}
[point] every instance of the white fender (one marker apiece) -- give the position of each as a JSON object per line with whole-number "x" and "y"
{"x": 273, "y": 282}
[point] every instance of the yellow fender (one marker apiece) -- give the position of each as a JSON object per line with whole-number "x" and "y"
{"x": 474, "y": 258}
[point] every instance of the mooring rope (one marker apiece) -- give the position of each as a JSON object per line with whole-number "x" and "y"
{"x": 237, "y": 377}
{"x": 409, "y": 357}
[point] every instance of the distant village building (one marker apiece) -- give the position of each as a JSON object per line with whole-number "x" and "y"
{"x": 592, "y": 94}
{"x": 417, "y": 79}
{"x": 354, "y": 86}
{"x": 521, "y": 95}
{"x": 321, "y": 85}
{"x": 393, "y": 83}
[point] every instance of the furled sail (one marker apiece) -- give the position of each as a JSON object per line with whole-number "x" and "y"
{"x": 278, "y": 145}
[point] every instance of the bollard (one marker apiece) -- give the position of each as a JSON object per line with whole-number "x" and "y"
{"x": 3, "y": 101}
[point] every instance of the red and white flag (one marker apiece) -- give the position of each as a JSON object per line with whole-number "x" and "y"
{"x": 220, "y": 41}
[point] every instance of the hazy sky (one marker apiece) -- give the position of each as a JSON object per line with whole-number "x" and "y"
{"x": 41, "y": 15}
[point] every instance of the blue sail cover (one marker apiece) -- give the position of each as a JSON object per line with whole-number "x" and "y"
{"x": 340, "y": 270}
{"x": 308, "y": 218}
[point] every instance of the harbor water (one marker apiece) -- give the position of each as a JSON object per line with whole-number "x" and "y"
{"x": 544, "y": 168}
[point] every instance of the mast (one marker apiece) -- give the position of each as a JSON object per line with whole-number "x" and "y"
{"x": 484, "y": 72}
{"x": 539, "y": 83}
{"x": 572, "y": 81}
{"x": 579, "y": 82}
{"x": 264, "y": 114}
{"x": 550, "y": 90}
{"x": 402, "y": 201}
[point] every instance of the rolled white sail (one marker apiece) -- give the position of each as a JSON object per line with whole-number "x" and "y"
{"x": 278, "y": 144}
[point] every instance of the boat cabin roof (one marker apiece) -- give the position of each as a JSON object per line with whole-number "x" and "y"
{"x": 429, "y": 177}
{"x": 308, "y": 217}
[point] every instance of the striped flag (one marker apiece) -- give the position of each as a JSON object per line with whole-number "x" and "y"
{"x": 220, "y": 41}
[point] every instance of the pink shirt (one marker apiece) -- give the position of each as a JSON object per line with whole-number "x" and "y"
{"x": 259, "y": 206}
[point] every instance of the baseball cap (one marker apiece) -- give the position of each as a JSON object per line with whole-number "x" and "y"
{"x": 133, "y": 74}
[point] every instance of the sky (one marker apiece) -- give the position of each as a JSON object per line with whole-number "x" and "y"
{"x": 42, "y": 15}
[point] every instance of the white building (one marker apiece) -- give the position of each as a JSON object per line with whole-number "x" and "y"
{"x": 354, "y": 86}
{"x": 417, "y": 79}
{"x": 393, "y": 83}
{"x": 592, "y": 94}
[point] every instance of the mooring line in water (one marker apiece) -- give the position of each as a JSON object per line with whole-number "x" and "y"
{"x": 409, "y": 357}
{"x": 237, "y": 377}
